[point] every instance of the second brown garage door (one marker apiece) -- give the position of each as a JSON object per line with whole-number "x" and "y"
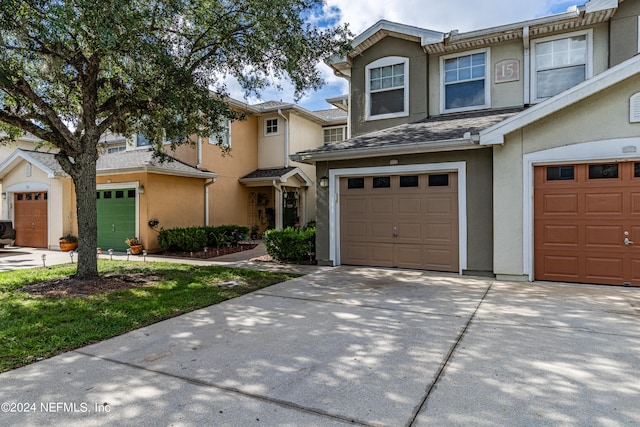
{"x": 406, "y": 221}
{"x": 31, "y": 222}
{"x": 587, "y": 223}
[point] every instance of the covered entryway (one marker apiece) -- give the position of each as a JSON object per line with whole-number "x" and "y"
{"x": 407, "y": 221}
{"x": 116, "y": 217}
{"x": 587, "y": 223}
{"x": 31, "y": 219}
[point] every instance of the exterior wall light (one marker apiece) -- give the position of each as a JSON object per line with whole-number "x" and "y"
{"x": 324, "y": 182}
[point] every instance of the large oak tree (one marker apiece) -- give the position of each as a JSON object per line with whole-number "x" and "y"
{"x": 73, "y": 70}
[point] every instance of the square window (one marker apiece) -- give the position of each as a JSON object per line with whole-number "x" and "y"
{"x": 106, "y": 195}
{"x": 271, "y": 126}
{"x": 131, "y": 194}
{"x": 119, "y": 194}
{"x": 142, "y": 141}
{"x": 559, "y": 64}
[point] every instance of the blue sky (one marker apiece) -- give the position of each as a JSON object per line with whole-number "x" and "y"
{"x": 435, "y": 15}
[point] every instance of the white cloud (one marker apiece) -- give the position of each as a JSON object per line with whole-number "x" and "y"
{"x": 437, "y": 15}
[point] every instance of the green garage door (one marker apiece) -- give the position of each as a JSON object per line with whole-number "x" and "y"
{"x": 116, "y": 217}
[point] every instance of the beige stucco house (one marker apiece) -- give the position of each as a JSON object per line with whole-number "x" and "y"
{"x": 242, "y": 177}
{"x": 510, "y": 151}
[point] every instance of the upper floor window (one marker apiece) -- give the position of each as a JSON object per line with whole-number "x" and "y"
{"x": 464, "y": 81}
{"x": 142, "y": 141}
{"x": 560, "y": 63}
{"x": 116, "y": 149}
{"x": 224, "y": 137}
{"x": 271, "y": 127}
{"x": 334, "y": 134}
{"x": 387, "y": 88}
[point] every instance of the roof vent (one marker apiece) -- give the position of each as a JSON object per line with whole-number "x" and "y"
{"x": 634, "y": 108}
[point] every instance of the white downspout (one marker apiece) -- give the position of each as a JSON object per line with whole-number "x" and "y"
{"x": 286, "y": 138}
{"x": 206, "y": 200}
{"x": 199, "y": 165}
{"x": 525, "y": 66}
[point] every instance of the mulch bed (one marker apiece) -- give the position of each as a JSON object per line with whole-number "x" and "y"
{"x": 73, "y": 287}
{"x": 212, "y": 252}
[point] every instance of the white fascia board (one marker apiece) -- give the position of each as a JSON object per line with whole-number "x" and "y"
{"x": 17, "y": 156}
{"x": 428, "y": 36}
{"x": 395, "y": 150}
{"x": 598, "y": 5}
{"x": 159, "y": 171}
{"x": 496, "y": 133}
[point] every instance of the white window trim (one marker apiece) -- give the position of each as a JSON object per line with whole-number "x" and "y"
{"x": 344, "y": 132}
{"x": 334, "y": 196}
{"x": 135, "y": 146}
{"x": 534, "y": 43}
{"x": 487, "y": 81}
{"x": 265, "y": 127}
{"x": 384, "y": 62}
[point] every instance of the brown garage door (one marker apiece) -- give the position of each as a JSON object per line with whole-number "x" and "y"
{"x": 31, "y": 219}
{"x": 400, "y": 221}
{"x": 587, "y": 217}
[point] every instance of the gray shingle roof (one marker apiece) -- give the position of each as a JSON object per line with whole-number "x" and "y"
{"x": 138, "y": 160}
{"x": 447, "y": 127}
{"x": 275, "y": 173}
{"x": 332, "y": 114}
{"x": 143, "y": 160}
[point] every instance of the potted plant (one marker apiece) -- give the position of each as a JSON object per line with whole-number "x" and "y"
{"x": 254, "y": 232}
{"x": 134, "y": 244}
{"x": 68, "y": 243}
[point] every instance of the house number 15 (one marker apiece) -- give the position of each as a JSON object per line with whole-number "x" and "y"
{"x": 507, "y": 71}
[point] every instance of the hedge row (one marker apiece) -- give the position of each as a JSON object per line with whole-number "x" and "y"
{"x": 192, "y": 239}
{"x": 291, "y": 244}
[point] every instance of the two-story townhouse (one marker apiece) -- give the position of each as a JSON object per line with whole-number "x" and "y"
{"x": 254, "y": 182}
{"x": 508, "y": 150}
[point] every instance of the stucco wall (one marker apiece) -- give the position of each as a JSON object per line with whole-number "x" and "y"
{"x": 306, "y": 135}
{"x": 271, "y": 150}
{"x": 600, "y": 118}
{"x": 479, "y": 201}
{"x": 624, "y": 32}
{"x": 389, "y": 46}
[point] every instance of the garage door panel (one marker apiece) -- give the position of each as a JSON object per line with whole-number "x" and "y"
{"x": 355, "y": 253}
{"x": 409, "y": 206}
{"x": 605, "y": 269}
{"x": 555, "y": 235}
{"x": 441, "y": 259}
{"x": 409, "y": 256}
{"x": 601, "y": 236}
{"x": 355, "y": 206}
{"x": 635, "y": 203}
{"x": 381, "y": 231}
{"x": 355, "y": 230}
{"x": 381, "y": 255}
{"x": 635, "y": 270}
{"x": 439, "y": 233}
{"x": 560, "y": 266}
{"x": 381, "y": 206}
{"x": 565, "y": 204}
{"x": 610, "y": 204}
{"x": 31, "y": 219}
{"x": 440, "y": 206}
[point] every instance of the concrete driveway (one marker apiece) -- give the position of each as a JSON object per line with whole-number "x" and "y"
{"x": 357, "y": 346}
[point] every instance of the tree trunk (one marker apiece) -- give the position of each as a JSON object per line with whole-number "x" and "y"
{"x": 85, "y": 186}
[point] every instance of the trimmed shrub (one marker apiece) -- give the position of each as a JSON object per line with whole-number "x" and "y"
{"x": 193, "y": 239}
{"x": 291, "y": 244}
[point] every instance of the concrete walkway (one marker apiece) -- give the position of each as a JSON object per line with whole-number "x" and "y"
{"x": 357, "y": 346}
{"x": 12, "y": 258}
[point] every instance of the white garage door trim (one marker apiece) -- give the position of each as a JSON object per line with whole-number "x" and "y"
{"x": 334, "y": 193}
{"x": 620, "y": 149}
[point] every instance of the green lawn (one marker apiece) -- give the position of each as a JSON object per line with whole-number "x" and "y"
{"x": 36, "y": 327}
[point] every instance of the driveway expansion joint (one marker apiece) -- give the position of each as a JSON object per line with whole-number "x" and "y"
{"x": 448, "y": 357}
{"x": 200, "y": 383}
